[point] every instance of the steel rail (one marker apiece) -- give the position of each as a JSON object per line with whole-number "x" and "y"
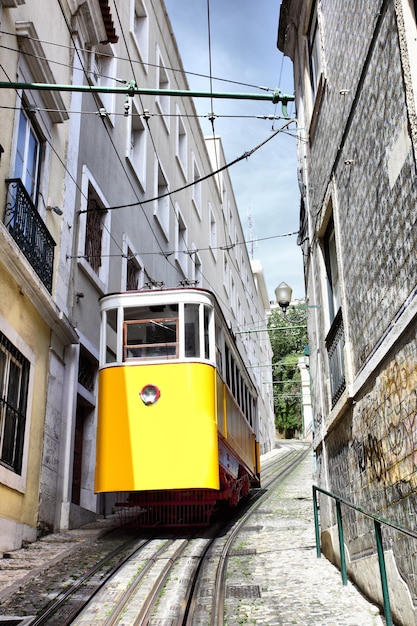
{"x": 281, "y": 467}
{"x": 131, "y": 590}
{"x": 143, "y": 615}
{"x": 63, "y": 598}
{"x": 187, "y": 609}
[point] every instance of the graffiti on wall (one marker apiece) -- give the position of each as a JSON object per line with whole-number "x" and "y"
{"x": 384, "y": 434}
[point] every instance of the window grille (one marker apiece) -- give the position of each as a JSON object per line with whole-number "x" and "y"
{"x": 335, "y": 343}
{"x": 14, "y": 381}
{"x": 94, "y": 232}
{"x": 87, "y": 369}
{"x": 132, "y": 279}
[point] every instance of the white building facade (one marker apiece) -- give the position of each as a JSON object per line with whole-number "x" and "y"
{"x": 130, "y": 204}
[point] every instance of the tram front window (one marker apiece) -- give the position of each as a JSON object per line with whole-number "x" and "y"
{"x": 151, "y": 338}
{"x": 111, "y": 336}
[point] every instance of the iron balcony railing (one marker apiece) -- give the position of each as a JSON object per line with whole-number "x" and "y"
{"x": 335, "y": 344}
{"x": 378, "y": 521}
{"x": 29, "y": 231}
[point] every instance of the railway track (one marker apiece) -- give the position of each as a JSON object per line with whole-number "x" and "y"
{"x": 178, "y": 579}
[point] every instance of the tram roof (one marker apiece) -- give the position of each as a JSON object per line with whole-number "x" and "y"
{"x": 143, "y": 297}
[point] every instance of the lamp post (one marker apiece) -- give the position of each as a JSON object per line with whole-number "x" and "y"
{"x": 283, "y": 294}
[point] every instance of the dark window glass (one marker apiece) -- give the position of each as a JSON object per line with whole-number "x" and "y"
{"x": 14, "y": 380}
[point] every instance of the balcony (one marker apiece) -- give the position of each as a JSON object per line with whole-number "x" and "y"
{"x": 335, "y": 344}
{"x": 29, "y": 231}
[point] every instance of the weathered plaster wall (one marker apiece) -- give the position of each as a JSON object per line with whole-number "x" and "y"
{"x": 372, "y": 456}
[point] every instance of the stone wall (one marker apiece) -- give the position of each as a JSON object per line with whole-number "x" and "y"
{"x": 361, "y": 156}
{"x": 371, "y": 457}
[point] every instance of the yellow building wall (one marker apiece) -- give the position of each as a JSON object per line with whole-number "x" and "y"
{"x": 18, "y": 312}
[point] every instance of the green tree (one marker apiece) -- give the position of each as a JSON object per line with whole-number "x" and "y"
{"x": 288, "y": 335}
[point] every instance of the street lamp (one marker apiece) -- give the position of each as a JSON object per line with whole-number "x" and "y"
{"x": 283, "y": 295}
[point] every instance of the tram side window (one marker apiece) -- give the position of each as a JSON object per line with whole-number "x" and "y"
{"x": 219, "y": 358}
{"x": 191, "y": 330}
{"x": 207, "y": 313}
{"x": 227, "y": 365}
{"x": 233, "y": 368}
{"x": 111, "y": 336}
{"x": 252, "y": 411}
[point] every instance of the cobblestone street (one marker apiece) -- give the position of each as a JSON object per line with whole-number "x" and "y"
{"x": 295, "y": 586}
{"x": 274, "y": 576}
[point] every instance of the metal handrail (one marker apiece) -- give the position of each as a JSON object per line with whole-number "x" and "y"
{"x": 378, "y": 521}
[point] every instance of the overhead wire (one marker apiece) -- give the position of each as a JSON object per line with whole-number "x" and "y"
{"x": 169, "y": 194}
{"x": 139, "y": 202}
{"x": 245, "y": 155}
{"x": 211, "y": 117}
{"x": 129, "y": 58}
{"x": 156, "y": 238}
{"x": 133, "y": 61}
{"x": 95, "y": 98}
{"x": 86, "y": 72}
{"x": 152, "y": 114}
{"x": 48, "y": 141}
{"x": 165, "y": 254}
{"x": 223, "y": 247}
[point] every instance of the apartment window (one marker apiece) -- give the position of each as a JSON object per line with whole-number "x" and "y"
{"x": 226, "y": 271}
{"x": 133, "y": 272}
{"x": 224, "y": 196}
{"x": 314, "y": 51}
{"x": 197, "y": 270}
{"x": 94, "y": 231}
{"x": 140, "y": 29}
{"x": 136, "y": 144}
{"x": 104, "y": 74}
{"x": 332, "y": 270}
{"x": 162, "y": 83}
{"x": 181, "y": 243}
{"x": 161, "y": 204}
{"x": 181, "y": 144}
{"x": 233, "y": 295}
{"x": 212, "y": 232}
{"x": 335, "y": 339}
{"x": 14, "y": 382}
{"x": 231, "y": 222}
{"x": 28, "y": 154}
{"x": 196, "y": 197}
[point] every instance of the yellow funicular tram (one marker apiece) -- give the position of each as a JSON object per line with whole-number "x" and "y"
{"x": 177, "y": 412}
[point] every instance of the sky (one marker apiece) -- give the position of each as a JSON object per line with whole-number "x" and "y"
{"x": 240, "y": 46}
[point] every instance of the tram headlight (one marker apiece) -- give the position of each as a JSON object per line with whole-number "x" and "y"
{"x": 149, "y": 394}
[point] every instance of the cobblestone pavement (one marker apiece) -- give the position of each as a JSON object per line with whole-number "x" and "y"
{"x": 274, "y": 577}
{"x": 276, "y": 566}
